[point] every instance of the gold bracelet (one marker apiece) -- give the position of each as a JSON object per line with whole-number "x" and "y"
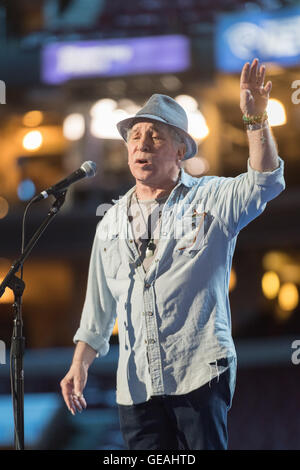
{"x": 255, "y": 119}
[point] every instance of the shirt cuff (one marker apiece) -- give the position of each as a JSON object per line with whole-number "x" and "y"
{"x": 92, "y": 339}
{"x": 267, "y": 178}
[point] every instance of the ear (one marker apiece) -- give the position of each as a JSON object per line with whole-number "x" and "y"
{"x": 181, "y": 151}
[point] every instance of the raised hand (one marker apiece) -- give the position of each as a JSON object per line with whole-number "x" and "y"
{"x": 254, "y": 95}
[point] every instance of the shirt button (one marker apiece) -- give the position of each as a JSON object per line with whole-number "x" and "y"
{"x": 151, "y": 341}
{"x": 150, "y": 314}
{"x": 147, "y": 285}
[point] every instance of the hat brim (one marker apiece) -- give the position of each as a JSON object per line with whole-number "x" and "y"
{"x": 126, "y": 124}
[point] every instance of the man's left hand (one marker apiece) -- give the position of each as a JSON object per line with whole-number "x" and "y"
{"x": 254, "y": 95}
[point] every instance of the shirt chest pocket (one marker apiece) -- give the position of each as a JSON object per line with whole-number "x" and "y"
{"x": 111, "y": 256}
{"x": 192, "y": 233}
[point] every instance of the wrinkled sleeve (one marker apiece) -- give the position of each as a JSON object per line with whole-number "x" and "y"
{"x": 99, "y": 310}
{"x": 237, "y": 201}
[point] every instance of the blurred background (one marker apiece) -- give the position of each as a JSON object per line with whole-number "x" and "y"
{"x": 71, "y": 69}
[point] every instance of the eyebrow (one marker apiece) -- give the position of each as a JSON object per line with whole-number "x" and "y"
{"x": 153, "y": 129}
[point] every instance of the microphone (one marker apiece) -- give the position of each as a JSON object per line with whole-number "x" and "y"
{"x": 87, "y": 170}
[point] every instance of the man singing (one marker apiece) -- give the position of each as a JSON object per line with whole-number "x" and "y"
{"x": 161, "y": 262}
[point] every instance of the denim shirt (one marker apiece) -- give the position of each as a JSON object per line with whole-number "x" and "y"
{"x": 174, "y": 320}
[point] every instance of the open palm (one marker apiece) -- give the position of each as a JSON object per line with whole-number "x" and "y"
{"x": 254, "y": 95}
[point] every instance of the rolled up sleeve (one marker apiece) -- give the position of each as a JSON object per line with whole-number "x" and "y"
{"x": 239, "y": 200}
{"x": 99, "y": 310}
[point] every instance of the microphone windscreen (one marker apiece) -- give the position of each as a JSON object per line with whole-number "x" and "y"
{"x": 90, "y": 168}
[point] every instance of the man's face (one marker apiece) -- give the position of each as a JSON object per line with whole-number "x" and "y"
{"x": 153, "y": 155}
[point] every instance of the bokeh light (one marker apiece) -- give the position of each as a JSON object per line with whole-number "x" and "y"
{"x": 103, "y": 106}
{"x": 104, "y": 126}
{"x": 4, "y": 207}
{"x": 26, "y": 190}
{"x": 74, "y": 126}
{"x": 8, "y": 296}
{"x": 33, "y": 118}
{"x": 32, "y": 140}
{"x": 276, "y": 113}
{"x": 197, "y": 126}
{"x": 196, "y": 166}
{"x": 288, "y": 297}
{"x": 188, "y": 103}
{"x": 270, "y": 284}
{"x": 115, "y": 328}
{"x": 232, "y": 280}
{"x": 274, "y": 260}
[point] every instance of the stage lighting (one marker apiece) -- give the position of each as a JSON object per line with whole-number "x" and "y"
{"x": 276, "y": 113}
{"x": 32, "y": 140}
{"x": 74, "y": 126}
{"x": 288, "y": 297}
{"x": 270, "y": 284}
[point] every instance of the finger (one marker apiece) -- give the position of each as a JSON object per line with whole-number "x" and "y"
{"x": 71, "y": 406}
{"x": 253, "y": 70}
{"x": 76, "y": 403}
{"x": 261, "y": 76}
{"x": 265, "y": 91}
{"x": 66, "y": 388}
{"x": 79, "y": 399}
{"x": 245, "y": 73}
{"x": 69, "y": 402}
{"x": 268, "y": 87}
{"x": 82, "y": 401}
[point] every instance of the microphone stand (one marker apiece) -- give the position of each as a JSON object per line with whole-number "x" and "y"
{"x": 17, "y": 285}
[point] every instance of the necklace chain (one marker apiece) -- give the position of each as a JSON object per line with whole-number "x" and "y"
{"x": 151, "y": 246}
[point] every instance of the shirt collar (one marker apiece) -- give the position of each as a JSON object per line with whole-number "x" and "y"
{"x": 184, "y": 178}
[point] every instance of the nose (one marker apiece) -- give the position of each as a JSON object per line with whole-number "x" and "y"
{"x": 144, "y": 143}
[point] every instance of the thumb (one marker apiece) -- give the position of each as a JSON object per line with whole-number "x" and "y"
{"x": 268, "y": 87}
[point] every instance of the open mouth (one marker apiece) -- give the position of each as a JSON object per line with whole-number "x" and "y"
{"x": 142, "y": 161}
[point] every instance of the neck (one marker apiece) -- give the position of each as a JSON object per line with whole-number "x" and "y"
{"x": 153, "y": 193}
{"x": 146, "y": 192}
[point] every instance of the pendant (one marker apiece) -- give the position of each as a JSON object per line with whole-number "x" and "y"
{"x": 150, "y": 249}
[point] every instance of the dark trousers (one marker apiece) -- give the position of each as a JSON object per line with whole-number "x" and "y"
{"x": 195, "y": 421}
